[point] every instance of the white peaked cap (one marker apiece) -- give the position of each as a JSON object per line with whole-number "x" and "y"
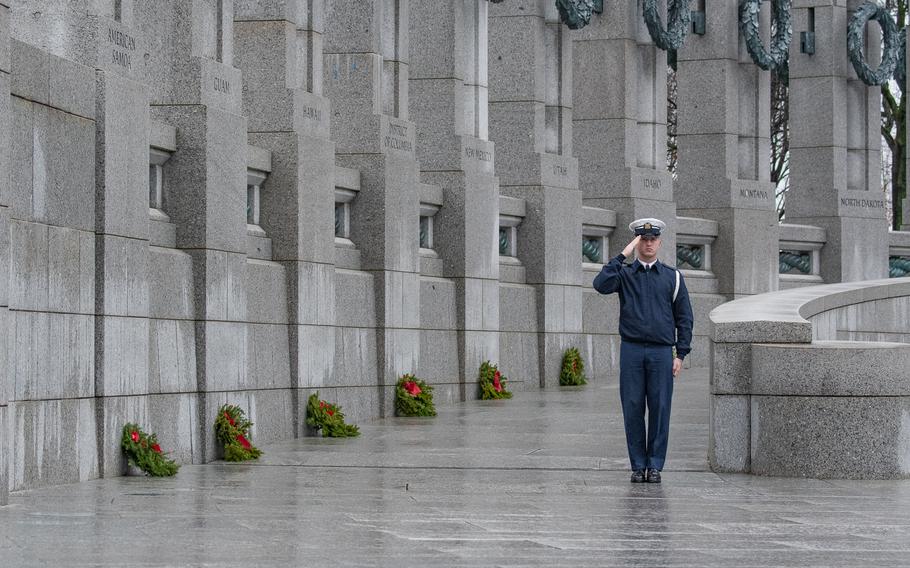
{"x": 638, "y": 223}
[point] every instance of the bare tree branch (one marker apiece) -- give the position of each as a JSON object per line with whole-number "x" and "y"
{"x": 894, "y": 130}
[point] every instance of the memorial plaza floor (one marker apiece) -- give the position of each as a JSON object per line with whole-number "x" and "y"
{"x": 539, "y": 480}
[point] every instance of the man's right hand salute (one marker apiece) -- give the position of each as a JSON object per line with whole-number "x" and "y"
{"x": 627, "y": 252}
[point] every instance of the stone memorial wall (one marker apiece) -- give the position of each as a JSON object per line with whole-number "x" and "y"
{"x": 846, "y": 415}
{"x": 344, "y": 191}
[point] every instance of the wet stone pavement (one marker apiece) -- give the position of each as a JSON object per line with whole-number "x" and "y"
{"x": 540, "y": 480}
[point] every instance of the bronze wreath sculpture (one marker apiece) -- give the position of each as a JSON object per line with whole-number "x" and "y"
{"x": 678, "y": 19}
{"x": 577, "y": 13}
{"x": 856, "y": 40}
{"x": 776, "y": 58}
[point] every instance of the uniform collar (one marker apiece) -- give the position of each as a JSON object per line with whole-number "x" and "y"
{"x": 638, "y": 265}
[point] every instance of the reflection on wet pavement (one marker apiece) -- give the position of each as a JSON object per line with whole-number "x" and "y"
{"x": 540, "y": 480}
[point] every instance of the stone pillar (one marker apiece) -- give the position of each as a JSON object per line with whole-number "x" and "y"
{"x": 724, "y": 151}
{"x": 279, "y": 50}
{"x": 620, "y": 122}
{"x": 195, "y": 88}
{"x": 531, "y": 123}
{"x": 5, "y": 129}
{"x": 103, "y": 38}
{"x": 448, "y": 95}
{"x": 835, "y": 146}
{"x": 366, "y": 79}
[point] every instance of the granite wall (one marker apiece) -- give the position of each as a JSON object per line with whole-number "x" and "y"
{"x": 812, "y": 382}
{"x": 50, "y": 326}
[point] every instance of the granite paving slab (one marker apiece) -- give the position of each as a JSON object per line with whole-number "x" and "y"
{"x": 539, "y": 480}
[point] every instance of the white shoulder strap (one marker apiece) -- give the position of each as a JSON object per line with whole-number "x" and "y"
{"x": 676, "y": 290}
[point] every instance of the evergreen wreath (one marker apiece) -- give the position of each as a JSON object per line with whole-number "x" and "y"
{"x": 577, "y": 13}
{"x": 856, "y": 31}
{"x": 492, "y": 382}
{"x": 233, "y": 431}
{"x": 678, "y": 19}
{"x": 328, "y": 417}
{"x": 778, "y": 60}
{"x": 573, "y": 369}
{"x": 142, "y": 451}
{"x": 413, "y": 397}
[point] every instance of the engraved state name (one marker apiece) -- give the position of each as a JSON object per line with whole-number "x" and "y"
{"x": 120, "y": 42}
{"x": 221, "y": 85}
{"x": 311, "y": 113}
{"x": 397, "y": 138}
{"x": 864, "y": 203}
{"x": 478, "y": 154}
{"x": 121, "y": 39}
{"x": 649, "y": 183}
{"x": 754, "y": 193}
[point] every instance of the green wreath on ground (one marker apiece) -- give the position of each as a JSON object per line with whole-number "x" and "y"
{"x": 856, "y": 31}
{"x": 142, "y": 451}
{"x": 573, "y": 369}
{"x": 233, "y": 431}
{"x": 492, "y": 383}
{"x": 413, "y": 397}
{"x": 678, "y": 19}
{"x": 777, "y": 58}
{"x": 328, "y": 418}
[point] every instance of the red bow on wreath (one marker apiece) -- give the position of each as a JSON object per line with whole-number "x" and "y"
{"x": 412, "y": 388}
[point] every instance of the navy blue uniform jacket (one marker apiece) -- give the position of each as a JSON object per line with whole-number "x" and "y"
{"x": 647, "y": 312}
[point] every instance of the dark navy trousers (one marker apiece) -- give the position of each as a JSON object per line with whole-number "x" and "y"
{"x": 646, "y": 381}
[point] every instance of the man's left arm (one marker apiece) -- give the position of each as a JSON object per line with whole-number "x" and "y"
{"x": 683, "y": 319}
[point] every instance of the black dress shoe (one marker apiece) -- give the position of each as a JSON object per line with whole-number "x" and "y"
{"x": 653, "y": 476}
{"x": 638, "y": 476}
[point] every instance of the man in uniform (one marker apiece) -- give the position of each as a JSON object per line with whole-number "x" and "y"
{"x": 655, "y": 323}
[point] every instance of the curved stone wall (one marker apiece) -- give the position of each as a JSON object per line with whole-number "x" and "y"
{"x": 813, "y": 382}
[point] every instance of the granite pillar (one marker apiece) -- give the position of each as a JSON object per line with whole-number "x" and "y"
{"x": 835, "y": 146}
{"x": 905, "y": 226}
{"x": 531, "y": 122}
{"x": 4, "y": 454}
{"x": 724, "y": 151}
{"x": 103, "y": 38}
{"x": 448, "y": 103}
{"x": 195, "y": 88}
{"x": 5, "y": 376}
{"x": 620, "y": 122}
{"x": 51, "y": 233}
{"x": 366, "y": 79}
{"x": 279, "y": 50}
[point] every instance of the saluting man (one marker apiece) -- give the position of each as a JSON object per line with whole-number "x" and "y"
{"x": 655, "y": 319}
